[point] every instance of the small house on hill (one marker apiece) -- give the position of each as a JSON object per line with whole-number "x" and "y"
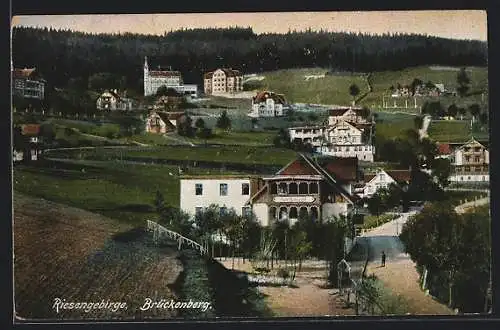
{"x": 163, "y": 122}
{"x": 382, "y": 179}
{"x": 27, "y": 142}
{"x": 111, "y": 100}
{"x": 268, "y": 104}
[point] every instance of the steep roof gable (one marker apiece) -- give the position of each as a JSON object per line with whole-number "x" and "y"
{"x": 298, "y": 167}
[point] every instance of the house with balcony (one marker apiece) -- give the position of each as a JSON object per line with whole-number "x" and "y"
{"x": 26, "y": 83}
{"x": 268, "y": 104}
{"x": 319, "y": 189}
{"x": 470, "y": 162}
{"x": 348, "y": 134}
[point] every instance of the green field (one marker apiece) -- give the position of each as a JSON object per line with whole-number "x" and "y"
{"x": 238, "y": 138}
{"x": 328, "y": 90}
{"x": 224, "y": 154}
{"x": 120, "y": 191}
{"x": 393, "y": 125}
{"x": 449, "y": 131}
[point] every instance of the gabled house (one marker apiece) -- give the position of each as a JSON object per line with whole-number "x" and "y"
{"x": 268, "y": 104}
{"x": 382, "y": 179}
{"x": 318, "y": 189}
{"x": 349, "y": 114}
{"x": 30, "y": 148}
{"x": 111, "y": 100}
{"x": 163, "y": 122}
{"x": 470, "y": 162}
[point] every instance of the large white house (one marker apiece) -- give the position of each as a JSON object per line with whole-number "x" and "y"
{"x": 198, "y": 193}
{"x": 223, "y": 81}
{"x": 347, "y": 134}
{"x": 154, "y": 79}
{"x": 27, "y": 84}
{"x": 469, "y": 161}
{"x": 268, "y": 104}
{"x": 318, "y": 188}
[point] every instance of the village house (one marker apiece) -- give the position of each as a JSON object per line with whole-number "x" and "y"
{"x": 26, "y": 83}
{"x": 223, "y": 81}
{"x": 171, "y": 101}
{"x": 268, "y": 104}
{"x": 159, "y": 122}
{"x": 382, "y": 179}
{"x": 111, "y": 100}
{"x": 32, "y": 149}
{"x": 319, "y": 188}
{"x": 469, "y": 161}
{"x": 348, "y": 134}
{"x": 154, "y": 79}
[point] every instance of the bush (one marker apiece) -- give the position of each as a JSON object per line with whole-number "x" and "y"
{"x": 283, "y": 273}
{"x": 373, "y": 221}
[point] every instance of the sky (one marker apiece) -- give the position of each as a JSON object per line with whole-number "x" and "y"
{"x": 455, "y": 24}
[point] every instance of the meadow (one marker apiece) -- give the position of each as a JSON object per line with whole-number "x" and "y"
{"x": 449, "y": 131}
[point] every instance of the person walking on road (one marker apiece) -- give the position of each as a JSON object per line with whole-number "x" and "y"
{"x": 383, "y": 259}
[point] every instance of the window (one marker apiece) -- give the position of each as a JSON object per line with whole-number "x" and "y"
{"x": 223, "y": 189}
{"x": 313, "y": 188}
{"x": 477, "y": 159}
{"x": 245, "y": 189}
{"x": 199, "y": 189}
{"x": 223, "y": 210}
{"x": 246, "y": 211}
{"x": 282, "y": 188}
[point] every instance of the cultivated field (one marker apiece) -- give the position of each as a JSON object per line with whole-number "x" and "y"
{"x": 67, "y": 253}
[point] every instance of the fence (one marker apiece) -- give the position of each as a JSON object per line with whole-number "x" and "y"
{"x": 159, "y": 231}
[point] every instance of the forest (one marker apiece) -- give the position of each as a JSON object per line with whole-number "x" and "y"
{"x": 63, "y": 56}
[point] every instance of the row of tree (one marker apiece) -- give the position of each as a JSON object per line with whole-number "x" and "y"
{"x": 437, "y": 110}
{"x": 64, "y": 55}
{"x": 226, "y": 233}
{"x": 453, "y": 252}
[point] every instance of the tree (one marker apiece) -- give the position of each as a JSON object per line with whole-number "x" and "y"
{"x": 414, "y": 84}
{"x": 254, "y": 122}
{"x": 223, "y": 122}
{"x": 199, "y": 124}
{"x": 452, "y": 110}
{"x": 418, "y": 122}
{"x": 159, "y": 202}
{"x": 185, "y": 126}
{"x": 282, "y": 139}
{"x": 354, "y": 92}
{"x": 474, "y": 110}
{"x": 441, "y": 170}
{"x": 463, "y": 82}
{"x": 208, "y": 223}
{"x": 483, "y": 118}
{"x": 375, "y": 204}
{"x": 462, "y": 111}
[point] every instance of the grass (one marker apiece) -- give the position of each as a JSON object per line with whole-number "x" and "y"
{"x": 224, "y": 154}
{"x": 458, "y": 197}
{"x": 391, "y": 126}
{"x": 238, "y": 138}
{"x": 449, "y": 131}
{"x": 328, "y": 90}
{"x": 150, "y": 138}
{"x": 372, "y": 221}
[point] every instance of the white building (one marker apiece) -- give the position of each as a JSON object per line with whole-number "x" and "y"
{"x": 268, "y": 104}
{"x": 348, "y": 134}
{"x": 159, "y": 122}
{"x": 26, "y": 84}
{"x": 320, "y": 189}
{"x": 228, "y": 192}
{"x": 154, "y": 79}
{"x": 223, "y": 81}
{"x": 470, "y": 162}
{"x": 382, "y": 179}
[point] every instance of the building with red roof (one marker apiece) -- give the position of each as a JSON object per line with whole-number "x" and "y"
{"x": 268, "y": 104}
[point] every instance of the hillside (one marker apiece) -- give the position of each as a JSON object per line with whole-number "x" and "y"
{"x": 334, "y": 89}
{"x": 64, "y": 252}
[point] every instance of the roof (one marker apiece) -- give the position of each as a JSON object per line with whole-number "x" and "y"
{"x": 340, "y": 111}
{"x": 30, "y": 129}
{"x": 228, "y": 72}
{"x": 298, "y": 167}
{"x": 369, "y": 177}
{"x": 23, "y": 73}
{"x": 264, "y": 95}
{"x": 164, "y": 73}
{"x": 400, "y": 175}
{"x": 215, "y": 177}
{"x": 444, "y": 149}
{"x": 344, "y": 169}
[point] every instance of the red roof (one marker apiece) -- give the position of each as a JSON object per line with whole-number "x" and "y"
{"x": 400, "y": 175}
{"x": 164, "y": 73}
{"x": 444, "y": 149}
{"x": 23, "y": 73}
{"x": 343, "y": 169}
{"x": 30, "y": 129}
{"x": 263, "y": 96}
{"x": 340, "y": 111}
{"x": 298, "y": 167}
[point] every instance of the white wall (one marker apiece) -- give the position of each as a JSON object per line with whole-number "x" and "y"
{"x": 234, "y": 199}
{"x": 377, "y": 183}
{"x": 333, "y": 209}
{"x": 261, "y": 212}
{"x": 469, "y": 178}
